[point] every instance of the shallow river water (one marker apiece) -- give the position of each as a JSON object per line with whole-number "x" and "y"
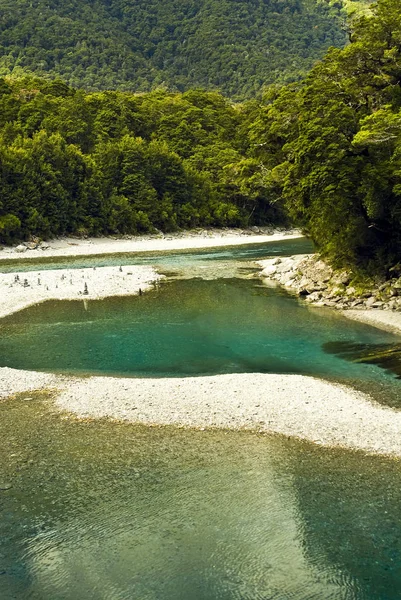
{"x": 103, "y": 510}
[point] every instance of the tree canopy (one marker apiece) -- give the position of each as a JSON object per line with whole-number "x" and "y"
{"x": 234, "y": 46}
{"x": 332, "y": 144}
{"x": 115, "y": 162}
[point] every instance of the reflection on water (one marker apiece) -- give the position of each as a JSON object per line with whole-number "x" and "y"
{"x": 113, "y": 511}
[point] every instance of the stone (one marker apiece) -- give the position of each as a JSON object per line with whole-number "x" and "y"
{"x": 285, "y": 266}
{"x": 269, "y": 270}
{"x": 314, "y": 297}
{"x": 5, "y": 486}
{"x": 289, "y": 283}
{"x": 304, "y": 283}
{"x": 341, "y": 278}
{"x": 370, "y": 301}
{"x": 21, "y": 248}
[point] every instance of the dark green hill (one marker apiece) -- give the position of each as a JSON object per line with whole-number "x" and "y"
{"x": 235, "y": 46}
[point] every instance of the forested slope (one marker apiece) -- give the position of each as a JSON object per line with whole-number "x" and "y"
{"x": 324, "y": 152}
{"x": 114, "y": 162}
{"x": 332, "y": 145}
{"x": 235, "y": 46}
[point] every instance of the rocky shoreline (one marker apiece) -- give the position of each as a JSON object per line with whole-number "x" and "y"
{"x": 317, "y": 283}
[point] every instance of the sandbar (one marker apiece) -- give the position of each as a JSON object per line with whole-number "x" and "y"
{"x": 183, "y": 241}
{"x": 293, "y": 405}
{"x": 20, "y": 290}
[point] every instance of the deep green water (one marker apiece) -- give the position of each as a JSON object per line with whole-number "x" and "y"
{"x": 107, "y": 511}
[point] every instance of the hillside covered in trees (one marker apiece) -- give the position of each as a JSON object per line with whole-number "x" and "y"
{"x": 324, "y": 152}
{"x": 237, "y": 47}
{"x": 332, "y": 145}
{"x": 114, "y": 162}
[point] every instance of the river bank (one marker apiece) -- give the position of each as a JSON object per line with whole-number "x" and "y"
{"x": 187, "y": 240}
{"x": 317, "y": 284}
{"x": 18, "y": 291}
{"x": 292, "y": 405}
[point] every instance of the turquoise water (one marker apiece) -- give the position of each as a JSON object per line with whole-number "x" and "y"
{"x": 190, "y": 327}
{"x": 96, "y": 510}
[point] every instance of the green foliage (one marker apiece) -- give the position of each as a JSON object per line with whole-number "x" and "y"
{"x": 234, "y": 46}
{"x": 333, "y": 145}
{"x": 114, "y": 162}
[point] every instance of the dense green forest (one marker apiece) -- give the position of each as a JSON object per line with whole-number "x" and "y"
{"x": 115, "y": 162}
{"x": 324, "y": 152}
{"x": 332, "y": 145}
{"x": 234, "y": 46}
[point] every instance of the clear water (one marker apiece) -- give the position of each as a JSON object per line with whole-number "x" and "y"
{"x": 110, "y": 511}
{"x": 168, "y": 260}
{"x": 95, "y": 510}
{"x": 191, "y": 327}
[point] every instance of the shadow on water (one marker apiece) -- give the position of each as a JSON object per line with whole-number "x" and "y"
{"x": 122, "y": 512}
{"x": 385, "y": 356}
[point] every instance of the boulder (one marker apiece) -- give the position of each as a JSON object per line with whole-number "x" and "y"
{"x": 269, "y": 271}
{"x": 21, "y": 248}
{"x": 342, "y": 278}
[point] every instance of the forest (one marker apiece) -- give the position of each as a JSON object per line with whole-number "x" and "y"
{"x": 323, "y": 152}
{"x": 115, "y": 162}
{"x": 332, "y": 145}
{"x": 233, "y": 46}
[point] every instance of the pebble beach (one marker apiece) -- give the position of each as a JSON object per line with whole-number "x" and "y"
{"x": 293, "y": 405}
{"x": 20, "y": 290}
